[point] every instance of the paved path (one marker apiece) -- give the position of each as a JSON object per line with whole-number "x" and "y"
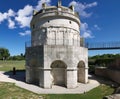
{"x": 8, "y": 77}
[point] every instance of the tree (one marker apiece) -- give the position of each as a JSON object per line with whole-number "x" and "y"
{"x": 17, "y": 57}
{"x": 4, "y": 53}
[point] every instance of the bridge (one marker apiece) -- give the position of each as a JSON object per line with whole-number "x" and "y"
{"x": 89, "y": 45}
{"x": 103, "y": 45}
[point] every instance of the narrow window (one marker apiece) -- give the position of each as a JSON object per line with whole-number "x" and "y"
{"x": 33, "y": 26}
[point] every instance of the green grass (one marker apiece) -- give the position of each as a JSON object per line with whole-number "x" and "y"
{"x": 96, "y": 93}
{"x": 8, "y": 65}
{"x": 10, "y": 91}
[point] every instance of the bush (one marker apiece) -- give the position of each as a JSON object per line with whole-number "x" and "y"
{"x": 18, "y": 57}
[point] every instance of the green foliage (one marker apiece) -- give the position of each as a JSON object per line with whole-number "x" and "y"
{"x": 17, "y": 57}
{"x": 101, "y": 60}
{"x": 92, "y": 69}
{"x": 4, "y": 53}
{"x": 105, "y": 56}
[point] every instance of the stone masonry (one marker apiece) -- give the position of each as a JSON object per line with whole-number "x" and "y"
{"x": 55, "y": 55}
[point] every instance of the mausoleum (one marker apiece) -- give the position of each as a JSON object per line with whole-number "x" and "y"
{"x": 56, "y": 54}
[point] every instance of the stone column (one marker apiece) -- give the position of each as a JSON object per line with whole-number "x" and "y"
{"x": 45, "y": 79}
{"x": 86, "y": 75}
{"x": 27, "y": 73}
{"x": 71, "y": 78}
{"x": 29, "y": 78}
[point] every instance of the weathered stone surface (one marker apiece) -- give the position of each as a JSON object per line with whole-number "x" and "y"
{"x": 114, "y": 96}
{"x": 112, "y": 74}
{"x": 55, "y": 54}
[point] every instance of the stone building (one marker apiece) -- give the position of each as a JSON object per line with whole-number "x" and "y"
{"x": 56, "y": 55}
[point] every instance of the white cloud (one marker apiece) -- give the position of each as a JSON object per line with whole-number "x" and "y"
{"x": 39, "y": 5}
{"x": 11, "y": 24}
{"x": 24, "y": 16}
{"x": 6, "y": 15}
{"x": 84, "y": 26}
{"x": 3, "y": 16}
{"x": 25, "y": 33}
{"x": 85, "y": 31}
{"x": 97, "y": 27}
{"x": 26, "y": 11}
{"x": 11, "y": 13}
{"x": 87, "y": 35}
{"x": 81, "y": 8}
{"x": 91, "y": 5}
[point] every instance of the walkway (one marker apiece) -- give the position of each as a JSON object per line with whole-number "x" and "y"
{"x": 103, "y": 45}
{"x": 18, "y": 79}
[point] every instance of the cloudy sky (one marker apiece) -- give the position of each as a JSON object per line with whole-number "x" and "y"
{"x": 99, "y": 21}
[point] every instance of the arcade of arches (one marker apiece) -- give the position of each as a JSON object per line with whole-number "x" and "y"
{"x": 59, "y": 73}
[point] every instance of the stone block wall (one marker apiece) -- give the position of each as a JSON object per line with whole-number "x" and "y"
{"x": 109, "y": 73}
{"x": 44, "y": 61}
{"x": 115, "y": 64}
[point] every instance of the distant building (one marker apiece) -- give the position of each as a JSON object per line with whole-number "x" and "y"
{"x": 56, "y": 55}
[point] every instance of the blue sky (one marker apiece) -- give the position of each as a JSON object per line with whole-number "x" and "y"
{"x": 99, "y": 21}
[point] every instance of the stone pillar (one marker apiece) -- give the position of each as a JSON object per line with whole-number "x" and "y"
{"x": 41, "y": 78}
{"x": 45, "y": 79}
{"x": 29, "y": 75}
{"x": 86, "y": 75}
{"x": 32, "y": 75}
{"x": 71, "y": 78}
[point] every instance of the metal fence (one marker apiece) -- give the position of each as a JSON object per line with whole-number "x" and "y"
{"x": 103, "y": 45}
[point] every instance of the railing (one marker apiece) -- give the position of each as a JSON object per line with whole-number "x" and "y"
{"x": 63, "y": 42}
{"x": 66, "y": 42}
{"x": 103, "y": 45}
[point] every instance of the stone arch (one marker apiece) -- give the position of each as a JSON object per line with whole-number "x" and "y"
{"x": 58, "y": 72}
{"x": 81, "y": 72}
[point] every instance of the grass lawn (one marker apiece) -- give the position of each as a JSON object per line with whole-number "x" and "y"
{"x": 10, "y": 91}
{"x": 8, "y": 65}
{"x": 96, "y": 93}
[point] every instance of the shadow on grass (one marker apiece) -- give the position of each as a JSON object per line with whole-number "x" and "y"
{"x": 19, "y": 75}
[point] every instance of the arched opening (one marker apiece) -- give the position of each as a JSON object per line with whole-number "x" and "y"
{"x": 59, "y": 73}
{"x": 81, "y": 72}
